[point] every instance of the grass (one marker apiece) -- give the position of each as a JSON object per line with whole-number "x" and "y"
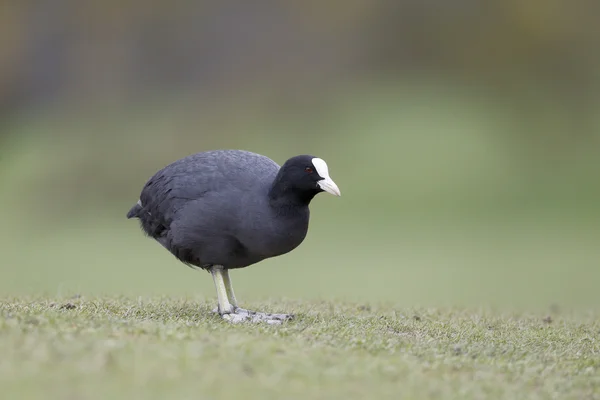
{"x": 124, "y": 348}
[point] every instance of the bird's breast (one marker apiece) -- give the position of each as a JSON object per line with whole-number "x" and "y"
{"x": 280, "y": 235}
{"x": 289, "y": 239}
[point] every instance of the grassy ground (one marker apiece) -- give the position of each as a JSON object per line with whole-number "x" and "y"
{"x": 124, "y": 348}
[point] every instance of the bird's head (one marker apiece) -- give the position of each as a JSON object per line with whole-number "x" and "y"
{"x": 306, "y": 176}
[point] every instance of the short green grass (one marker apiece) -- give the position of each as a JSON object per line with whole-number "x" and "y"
{"x": 158, "y": 348}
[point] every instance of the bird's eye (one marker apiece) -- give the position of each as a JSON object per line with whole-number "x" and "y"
{"x": 308, "y": 170}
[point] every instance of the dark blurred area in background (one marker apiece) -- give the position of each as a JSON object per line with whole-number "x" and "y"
{"x": 543, "y": 54}
{"x": 426, "y": 110}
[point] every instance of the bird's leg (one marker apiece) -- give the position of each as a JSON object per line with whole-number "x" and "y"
{"x": 224, "y": 306}
{"x": 231, "y": 294}
{"x": 229, "y": 288}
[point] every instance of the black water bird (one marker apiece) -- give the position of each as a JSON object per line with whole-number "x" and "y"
{"x": 226, "y": 209}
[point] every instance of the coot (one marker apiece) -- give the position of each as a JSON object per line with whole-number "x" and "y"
{"x": 226, "y": 209}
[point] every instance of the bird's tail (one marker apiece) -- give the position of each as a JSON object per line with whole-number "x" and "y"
{"x": 135, "y": 210}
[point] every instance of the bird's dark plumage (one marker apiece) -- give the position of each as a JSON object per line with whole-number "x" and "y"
{"x": 230, "y": 208}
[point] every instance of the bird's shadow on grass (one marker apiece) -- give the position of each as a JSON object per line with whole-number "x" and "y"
{"x": 198, "y": 311}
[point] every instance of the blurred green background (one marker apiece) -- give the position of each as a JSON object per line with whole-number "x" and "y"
{"x": 464, "y": 136}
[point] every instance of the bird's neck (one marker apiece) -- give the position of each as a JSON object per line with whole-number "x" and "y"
{"x": 286, "y": 198}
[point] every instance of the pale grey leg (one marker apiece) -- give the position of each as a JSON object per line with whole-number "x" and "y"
{"x": 229, "y": 288}
{"x": 225, "y": 306}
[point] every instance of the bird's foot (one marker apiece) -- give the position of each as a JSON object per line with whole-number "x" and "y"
{"x": 242, "y": 315}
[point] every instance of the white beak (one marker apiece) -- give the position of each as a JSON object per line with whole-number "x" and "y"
{"x": 328, "y": 185}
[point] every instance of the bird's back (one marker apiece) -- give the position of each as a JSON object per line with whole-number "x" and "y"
{"x": 200, "y": 200}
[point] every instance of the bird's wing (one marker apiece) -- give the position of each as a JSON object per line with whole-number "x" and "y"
{"x": 227, "y": 173}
